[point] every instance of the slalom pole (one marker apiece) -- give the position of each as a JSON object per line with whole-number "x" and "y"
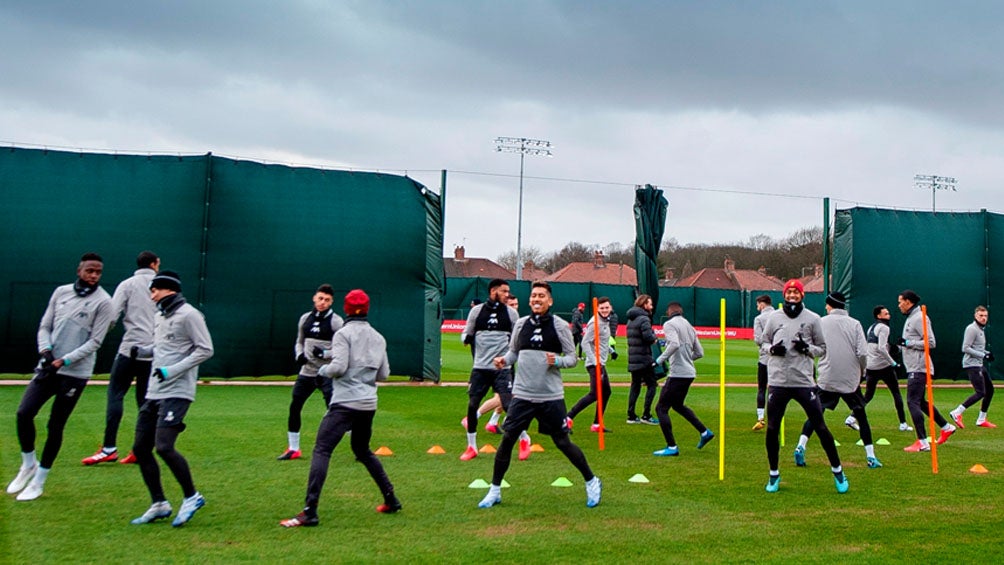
{"x": 721, "y": 400}
{"x": 599, "y": 370}
{"x": 930, "y": 392}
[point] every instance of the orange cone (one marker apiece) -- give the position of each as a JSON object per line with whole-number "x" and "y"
{"x": 487, "y": 448}
{"x": 436, "y": 450}
{"x": 537, "y": 448}
{"x": 978, "y": 469}
{"x": 384, "y": 450}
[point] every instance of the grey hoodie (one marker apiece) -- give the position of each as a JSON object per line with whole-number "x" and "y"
{"x": 358, "y": 361}
{"x": 793, "y": 369}
{"x": 488, "y": 344}
{"x": 305, "y": 344}
{"x": 913, "y": 333}
{"x": 758, "y": 324}
{"x": 73, "y": 327}
{"x": 974, "y": 345}
{"x": 841, "y": 366}
{"x": 535, "y": 380}
{"x": 589, "y": 341}
{"x": 181, "y": 343}
{"x": 132, "y": 301}
{"x": 682, "y": 348}
{"x": 878, "y": 353}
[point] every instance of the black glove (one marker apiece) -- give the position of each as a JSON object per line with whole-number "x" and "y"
{"x": 901, "y": 342}
{"x": 988, "y": 356}
{"x": 778, "y": 350}
{"x": 613, "y": 354}
{"x": 318, "y": 352}
{"x": 47, "y": 359}
{"x": 160, "y": 374}
{"x": 801, "y": 346}
{"x": 133, "y": 352}
{"x": 301, "y": 360}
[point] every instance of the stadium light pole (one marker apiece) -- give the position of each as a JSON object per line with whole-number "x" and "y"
{"x": 524, "y": 147}
{"x": 935, "y": 183}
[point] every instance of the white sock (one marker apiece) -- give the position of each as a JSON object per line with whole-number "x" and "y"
{"x": 958, "y": 410}
{"x": 109, "y": 450}
{"x": 495, "y": 489}
{"x": 524, "y": 436}
{"x": 472, "y": 440}
{"x": 803, "y": 440}
{"x": 870, "y": 451}
{"x": 494, "y": 420}
{"x": 28, "y": 460}
{"x": 294, "y": 440}
{"x": 759, "y": 413}
{"x": 837, "y": 469}
{"x": 40, "y": 475}
{"x": 775, "y": 473}
{"x": 592, "y": 481}
{"x": 948, "y": 427}
{"x": 981, "y": 418}
{"x": 926, "y": 442}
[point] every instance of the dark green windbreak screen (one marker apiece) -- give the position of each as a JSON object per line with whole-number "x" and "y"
{"x": 251, "y": 241}
{"x": 945, "y": 258}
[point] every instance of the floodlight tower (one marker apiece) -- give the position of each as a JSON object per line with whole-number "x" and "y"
{"x": 935, "y": 183}
{"x": 524, "y": 147}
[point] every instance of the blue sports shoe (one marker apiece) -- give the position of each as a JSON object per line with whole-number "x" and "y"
{"x": 800, "y": 456}
{"x": 188, "y": 508}
{"x": 594, "y": 489}
{"x": 667, "y": 452}
{"x": 840, "y": 480}
{"x": 773, "y": 483}
{"x": 874, "y": 463}
{"x": 707, "y": 436}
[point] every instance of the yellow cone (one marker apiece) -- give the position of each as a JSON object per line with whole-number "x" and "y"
{"x": 436, "y": 450}
{"x": 978, "y": 469}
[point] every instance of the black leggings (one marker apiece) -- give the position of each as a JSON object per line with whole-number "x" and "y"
{"x": 561, "y": 440}
{"x": 124, "y": 370}
{"x": 303, "y": 389}
{"x": 829, "y": 401}
{"x": 761, "y": 385}
{"x": 590, "y": 398}
{"x": 336, "y": 423}
{"x": 777, "y": 402}
{"x": 640, "y": 377}
{"x": 983, "y": 388}
{"x": 888, "y": 377}
{"x": 674, "y": 393}
{"x": 150, "y": 436}
{"x": 916, "y": 399}
{"x": 66, "y": 392}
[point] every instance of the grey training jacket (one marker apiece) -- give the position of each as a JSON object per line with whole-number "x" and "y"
{"x": 181, "y": 343}
{"x": 131, "y": 300}
{"x": 682, "y": 348}
{"x": 535, "y": 380}
{"x": 974, "y": 346}
{"x": 358, "y": 361}
{"x": 793, "y": 369}
{"x": 840, "y": 368}
{"x": 73, "y": 327}
{"x": 913, "y": 333}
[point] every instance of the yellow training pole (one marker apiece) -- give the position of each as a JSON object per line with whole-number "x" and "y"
{"x": 930, "y": 393}
{"x": 599, "y": 369}
{"x": 721, "y": 400}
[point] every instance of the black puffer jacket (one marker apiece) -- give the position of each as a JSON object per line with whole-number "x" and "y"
{"x": 640, "y": 338}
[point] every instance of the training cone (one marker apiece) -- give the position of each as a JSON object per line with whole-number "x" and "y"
{"x": 537, "y": 448}
{"x": 836, "y": 443}
{"x": 436, "y": 450}
{"x": 480, "y": 483}
{"x": 505, "y": 484}
{"x": 561, "y": 482}
{"x": 882, "y": 441}
{"x": 384, "y": 450}
{"x": 487, "y": 448}
{"x": 639, "y": 478}
{"x": 860, "y": 443}
{"x": 978, "y": 469}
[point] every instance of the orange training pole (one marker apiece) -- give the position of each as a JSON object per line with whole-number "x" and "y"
{"x": 930, "y": 392}
{"x": 599, "y": 369}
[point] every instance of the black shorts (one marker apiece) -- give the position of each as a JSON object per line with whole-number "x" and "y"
{"x": 550, "y": 416}
{"x": 484, "y": 379}
{"x": 306, "y": 385}
{"x": 162, "y": 413}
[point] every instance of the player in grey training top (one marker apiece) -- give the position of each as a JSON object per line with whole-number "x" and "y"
{"x": 975, "y": 356}
{"x": 69, "y": 335}
{"x": 881, "y": 366}
{"x": 916, "y": 362}
{"x": 766, "y": 308}
{"x": 131, "y": 301}
{"x": 181, "y": 343}
{"x": 840, "y": 374}
{"x": 604, "y": 310}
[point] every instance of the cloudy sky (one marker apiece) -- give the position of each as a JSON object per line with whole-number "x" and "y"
{"x": 746, "y": 113}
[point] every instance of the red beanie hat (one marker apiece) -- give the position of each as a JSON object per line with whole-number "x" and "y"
{"x": 796, "y": 284}
{"x": 357, "y": 303}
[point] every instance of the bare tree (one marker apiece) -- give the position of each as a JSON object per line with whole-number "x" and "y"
{"x": 530, "y": 253}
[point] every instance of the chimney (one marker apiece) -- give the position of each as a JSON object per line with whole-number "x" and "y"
{"x": 458, "y": 253}
{"x": 819, "y": 270}
{"x": 762, "y": 270}
{"x": 669, "y": 274}
{"x": 730, "y": 266}
{"x": 598, "y": 262}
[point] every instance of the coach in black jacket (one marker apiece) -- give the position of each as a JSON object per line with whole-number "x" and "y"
{"x": 641, "y": 364}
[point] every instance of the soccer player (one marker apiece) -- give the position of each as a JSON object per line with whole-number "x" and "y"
{"x": 881, "y": 366}
{"x": 494, "y": 404}
{"x": 641, "y": 364}
{"x": 604, "y": 309}
{"x": 974, "y": 347}
{"x": 796, "y": 338}
{"x": 71, "y": 331}
{"x": 181, "y": 343}
{"x": 131, "y": 300}
{"x": 682, "y": 349}
{"x": 358, "y": 361}
{"x": 488, "y": 328}
{"x": 766, "y": 307}
{"x": 576, "y": 324}
{"x": 541, "y": 346}
{"x": 313, "y": 346}
{"x": 840, "y": 374}
{"x": 915, "y": 361}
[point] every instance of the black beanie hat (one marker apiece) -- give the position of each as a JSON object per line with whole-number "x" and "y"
{"x": 836, "y": 300}
{"x": 167, "y": 280}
